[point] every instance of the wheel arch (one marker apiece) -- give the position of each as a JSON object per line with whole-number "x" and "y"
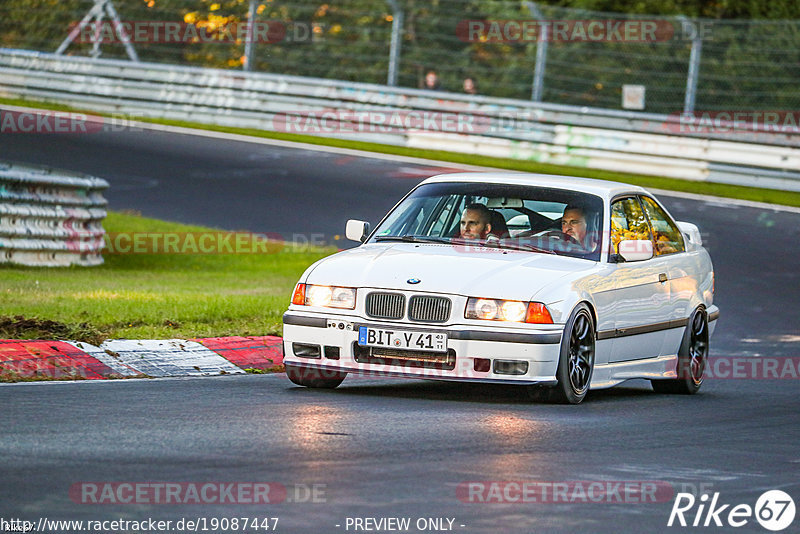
{"x": 697, "y": 306}
{"x": 592, "y": 311}
{"x": 582, "y": 299}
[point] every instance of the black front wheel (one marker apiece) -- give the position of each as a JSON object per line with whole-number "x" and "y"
{"x": 576, "y": 362}
{"x": 314, "y": 378}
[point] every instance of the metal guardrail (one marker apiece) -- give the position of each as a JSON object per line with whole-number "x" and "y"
{"x": 643, "y": 143}
{"x": 50, "y": 218}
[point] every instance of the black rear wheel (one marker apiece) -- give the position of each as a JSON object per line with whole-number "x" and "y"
{"x": 692, "y": 357}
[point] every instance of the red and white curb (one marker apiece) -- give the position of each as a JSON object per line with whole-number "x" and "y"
{"x": 122, "y": 358}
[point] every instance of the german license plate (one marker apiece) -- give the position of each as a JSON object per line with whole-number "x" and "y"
{"x": 402, "y": 339}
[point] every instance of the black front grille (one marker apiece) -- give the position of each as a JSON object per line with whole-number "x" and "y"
{"x": 428, "y": 309}
{"x": 405, "y": 358}
{"x": 386, "y": 305}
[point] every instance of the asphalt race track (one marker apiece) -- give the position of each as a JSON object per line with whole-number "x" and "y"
{"x": 381, "y": 448}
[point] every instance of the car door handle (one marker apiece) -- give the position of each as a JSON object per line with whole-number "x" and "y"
{"x": 662, "y": 278}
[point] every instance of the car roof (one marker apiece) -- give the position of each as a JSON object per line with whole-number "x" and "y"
{"x": 601, "y": 188}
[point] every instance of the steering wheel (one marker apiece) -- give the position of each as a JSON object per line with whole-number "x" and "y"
{"x": 558, "y": 234}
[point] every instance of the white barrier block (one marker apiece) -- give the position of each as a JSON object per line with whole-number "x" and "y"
{"x": 50, "y": 218}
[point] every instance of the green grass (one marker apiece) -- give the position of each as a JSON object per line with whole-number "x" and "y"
{"x": 155, "y": 296}
{"x": 771, "y": 196}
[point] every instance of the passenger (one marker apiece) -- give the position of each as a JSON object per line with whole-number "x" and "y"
{"x": 475, "y": 222}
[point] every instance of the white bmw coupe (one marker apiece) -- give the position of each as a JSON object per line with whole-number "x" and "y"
{"x": 557, "y": 283}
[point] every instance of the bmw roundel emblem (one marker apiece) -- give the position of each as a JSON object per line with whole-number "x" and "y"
{"x": 413, "y": 280}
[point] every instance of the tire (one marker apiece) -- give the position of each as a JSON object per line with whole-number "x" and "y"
{"x": 575, "y": 363}
{"x": 314, "y": 378}
{"x": 692, "y": 358}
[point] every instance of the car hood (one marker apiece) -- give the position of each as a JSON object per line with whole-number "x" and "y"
{"x": 486, "y": 272}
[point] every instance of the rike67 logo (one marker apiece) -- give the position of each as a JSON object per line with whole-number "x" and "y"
{"x": 774, "y": 510}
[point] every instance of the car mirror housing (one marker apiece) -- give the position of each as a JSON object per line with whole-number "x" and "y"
{"x": 357, "y": 230}
{"x": 636, "y": 249}
{"x": 691, "y": 231}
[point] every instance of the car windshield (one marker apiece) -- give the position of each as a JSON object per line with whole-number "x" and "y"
{"x": 519, "y": 217}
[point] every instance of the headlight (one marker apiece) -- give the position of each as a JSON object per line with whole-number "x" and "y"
{"x": 324, "y": 296}
{"x": 507, "y": 310}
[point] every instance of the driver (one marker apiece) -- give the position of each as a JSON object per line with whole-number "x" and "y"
{"x": 573, "y": 223}
{"x": 475, "y": 222}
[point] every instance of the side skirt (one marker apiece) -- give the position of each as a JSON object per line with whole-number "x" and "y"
{"x": 611, "y": 374}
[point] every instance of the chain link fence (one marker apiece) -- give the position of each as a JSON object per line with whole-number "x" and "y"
{"x": 513, "y": 49}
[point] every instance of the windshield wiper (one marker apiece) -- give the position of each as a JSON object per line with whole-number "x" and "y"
{"x": 413, "y": 239}
{"x": 526, "y": 246}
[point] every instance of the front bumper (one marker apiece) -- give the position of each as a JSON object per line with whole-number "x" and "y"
{"x": 330, "y": 342}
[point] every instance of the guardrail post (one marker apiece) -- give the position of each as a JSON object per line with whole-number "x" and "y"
{"x": 124, "y": 37}
{"x": 541, "y": 54}
{"x": 97, "y": 13}
{"x": 249, "y": 45}
{"x": 394, "y": 49}
{"x": 694, "y": 66}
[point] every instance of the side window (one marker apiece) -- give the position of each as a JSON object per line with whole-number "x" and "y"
{"x": 666, "y": 234}
{"x": 628, "y": 221}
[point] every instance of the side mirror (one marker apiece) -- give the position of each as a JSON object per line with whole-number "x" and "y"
{"x": 356, "y": 230}
{"x": 691, "y": 231}
{"x": 636, "y": 249}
